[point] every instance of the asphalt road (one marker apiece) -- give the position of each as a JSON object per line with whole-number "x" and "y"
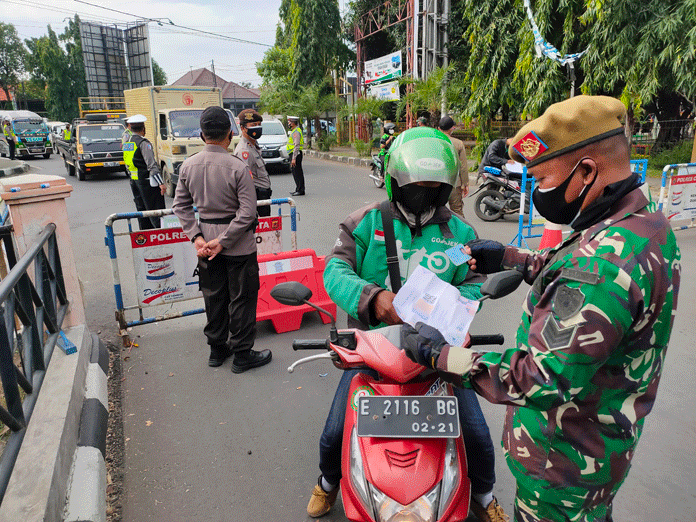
{"x": 206, "y": 444}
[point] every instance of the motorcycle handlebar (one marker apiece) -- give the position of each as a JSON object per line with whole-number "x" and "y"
{"x": 310, "y": 344}
{"x": 487, "y": 339}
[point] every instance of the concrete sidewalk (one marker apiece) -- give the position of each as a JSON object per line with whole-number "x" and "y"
{"x": 10, "y": 167}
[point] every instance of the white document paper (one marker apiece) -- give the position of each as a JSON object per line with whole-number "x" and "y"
{"x": 428, "y": 299}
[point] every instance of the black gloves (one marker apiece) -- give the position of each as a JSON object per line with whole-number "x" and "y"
{"x": 488, "y": 255}
{"x": 422, "y": 344}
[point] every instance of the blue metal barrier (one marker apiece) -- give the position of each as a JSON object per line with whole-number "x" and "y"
{"x": 110, "y": 242}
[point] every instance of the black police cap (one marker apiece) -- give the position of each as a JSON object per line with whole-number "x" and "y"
{"x": 215, "y": 119}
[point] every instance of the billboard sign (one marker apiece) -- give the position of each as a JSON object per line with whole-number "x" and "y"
{"x": 388, "y": 91}
{"x": 681, "y": 202}
{"x": 384, "y": 68}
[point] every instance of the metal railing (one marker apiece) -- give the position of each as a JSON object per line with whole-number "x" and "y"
{"x": 31, "y": 316}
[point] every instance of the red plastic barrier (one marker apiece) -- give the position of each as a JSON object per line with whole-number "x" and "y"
{"x": 303, "y": 266}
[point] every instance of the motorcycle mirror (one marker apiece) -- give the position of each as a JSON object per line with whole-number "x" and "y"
{"x": 291, "y": 293}
{"x": 501, "y": 284}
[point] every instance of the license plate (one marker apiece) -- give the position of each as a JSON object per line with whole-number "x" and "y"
{"x": 408, "y": 417}
{"x": 110, "y": 164}
{"x": 269, "y": 154}
{"x": 35, "y": 150}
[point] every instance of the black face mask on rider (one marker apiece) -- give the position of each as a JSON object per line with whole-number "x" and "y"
{"x": 417, "y": 199}
{"x": 255, "y": 132}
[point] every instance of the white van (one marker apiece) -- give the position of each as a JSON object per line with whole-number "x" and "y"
{"x": 273, "y": 143}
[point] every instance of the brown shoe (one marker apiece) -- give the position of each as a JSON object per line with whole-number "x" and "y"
{"x": 321, "y": 502}
{"x": 492, "y": 513}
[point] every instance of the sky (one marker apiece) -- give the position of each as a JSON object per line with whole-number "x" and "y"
{"x": 175, "y": 49}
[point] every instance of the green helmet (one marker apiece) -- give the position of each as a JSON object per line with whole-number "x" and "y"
{"x": 421, "y": 154}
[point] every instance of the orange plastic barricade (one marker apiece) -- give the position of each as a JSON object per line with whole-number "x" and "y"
{"x": 303, "y": 266}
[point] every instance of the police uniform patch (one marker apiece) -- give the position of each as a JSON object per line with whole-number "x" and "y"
{"x": 245, "y": 155}
{"x": 567, "y": 302}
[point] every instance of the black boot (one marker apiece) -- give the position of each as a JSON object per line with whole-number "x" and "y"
{"x": 218, "y": 354}
{"x": 249, "y": 359}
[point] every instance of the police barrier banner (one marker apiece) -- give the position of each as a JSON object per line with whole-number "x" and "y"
{"x": 388, "y": 91}
{"x": 166, "y": 266}
{"x": 383, "y": 68}
{"x": 681, "y": 200}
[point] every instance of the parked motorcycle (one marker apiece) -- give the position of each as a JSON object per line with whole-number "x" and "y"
{"x": 499, "y": 194}
{"x": 377, "y": 173}
{"x": 403, "y": 457}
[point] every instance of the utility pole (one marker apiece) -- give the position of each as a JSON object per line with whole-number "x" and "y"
{"x": 212, "y": 63}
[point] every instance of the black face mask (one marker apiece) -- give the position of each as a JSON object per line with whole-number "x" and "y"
{"x": 552, "y": 205}
{"x": 255, "y": 132}
{"x": 417, "y": 199}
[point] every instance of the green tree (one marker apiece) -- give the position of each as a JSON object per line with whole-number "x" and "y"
{"x": 158, "y": 74}
{"x": 57, "y": 62}
{"x": 276, "y": 66}
{"x": 12, "y": 57}
{"x": 312, "y": 32}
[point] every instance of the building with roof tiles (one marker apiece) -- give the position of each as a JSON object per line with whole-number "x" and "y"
{"x": 234, "y": 96}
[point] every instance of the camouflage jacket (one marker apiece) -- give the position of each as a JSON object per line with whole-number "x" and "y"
{"x": 590, "y": 350}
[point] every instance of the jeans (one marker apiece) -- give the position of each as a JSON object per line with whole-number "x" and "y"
{"x": 477, "y": 438}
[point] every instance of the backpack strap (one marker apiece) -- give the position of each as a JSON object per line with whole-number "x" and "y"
{"x": 390, "y": 243}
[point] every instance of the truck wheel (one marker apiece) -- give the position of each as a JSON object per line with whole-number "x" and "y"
{"x": 167, "y": 177}
{"x": 47, "y": 155}
{"x": 69, "y": 168}
{"x": 80, "y": 173}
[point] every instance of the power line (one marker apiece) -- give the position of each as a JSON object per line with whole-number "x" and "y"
{"x": 225, "y": 37}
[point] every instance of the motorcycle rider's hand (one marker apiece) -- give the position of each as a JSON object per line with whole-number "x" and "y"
{"x": 486, "y": 255}
{"x": 422, "y": 344}
{"x": 383, "y": 308}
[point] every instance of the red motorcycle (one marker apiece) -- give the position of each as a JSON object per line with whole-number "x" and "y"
{"x": 403, "y": 458}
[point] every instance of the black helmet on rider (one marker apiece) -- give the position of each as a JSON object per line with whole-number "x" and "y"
{"x": 425, "y": 156}
{"x": 389, "y": 128}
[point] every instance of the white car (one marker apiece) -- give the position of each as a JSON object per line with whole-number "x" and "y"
{"x": 56, "y": 129}
{"x": 273, "y": 143}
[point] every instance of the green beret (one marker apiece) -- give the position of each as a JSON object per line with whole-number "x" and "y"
{"x": 567, "y": 126}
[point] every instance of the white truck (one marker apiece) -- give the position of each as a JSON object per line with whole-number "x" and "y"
{"x": 173, "y": 113}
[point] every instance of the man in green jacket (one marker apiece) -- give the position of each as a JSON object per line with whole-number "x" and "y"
{"x": 595, "y": 325}
{"x": 421, "y": 169}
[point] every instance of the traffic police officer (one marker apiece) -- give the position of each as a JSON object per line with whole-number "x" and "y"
{"x": 596, "y": 323}
{"x": 248, "y": 150}
{"x": 146, "y": 182}
{"x": 294, "y": 147}
{"x": 222, "y": 189}
{"x": 9, "y": 137}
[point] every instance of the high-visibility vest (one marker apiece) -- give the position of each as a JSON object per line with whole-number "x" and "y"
{"x": 291, "y": 144}
{"x": 66, "y": 134}
{"x": 133, "y": 157}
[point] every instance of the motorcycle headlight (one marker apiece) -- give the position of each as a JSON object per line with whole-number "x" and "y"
{"x": 420, "y": 510}
{"x": 357, "y": 472}
{"x": 450, "y": 476}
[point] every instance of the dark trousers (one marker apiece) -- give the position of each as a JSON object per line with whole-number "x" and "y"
{"x": 263, "y": 193}
{"x": 298, "y": 174}
{"x": 147, "y": 198}
{"x": 11, "y": 145}
{"x": 230, "y": 286}
{"x": 480, "y": 454}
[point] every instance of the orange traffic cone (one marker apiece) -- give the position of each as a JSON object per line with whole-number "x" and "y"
{"x": 552, "y": 235}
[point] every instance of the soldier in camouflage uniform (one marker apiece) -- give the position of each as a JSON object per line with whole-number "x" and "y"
{"x": 595, "y": 324}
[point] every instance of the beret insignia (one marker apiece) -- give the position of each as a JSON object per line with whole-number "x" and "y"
{"x": 530, "y": 146}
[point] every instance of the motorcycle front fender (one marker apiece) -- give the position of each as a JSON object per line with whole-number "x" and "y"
{"x": 485, "y": 186}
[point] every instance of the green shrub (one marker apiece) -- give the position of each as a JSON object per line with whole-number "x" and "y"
{"x": 362, "y": 148}
{"x": 679, "y": 154}
{"x": 326, "y": 141}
